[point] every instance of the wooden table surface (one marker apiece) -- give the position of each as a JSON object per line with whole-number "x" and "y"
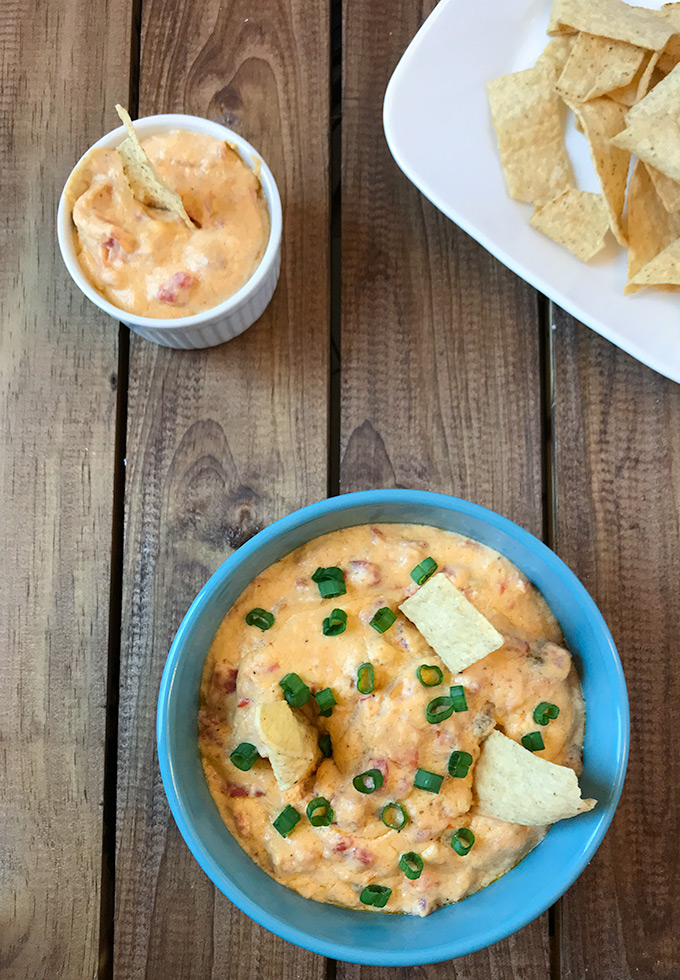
{"x": 396, "y": 352}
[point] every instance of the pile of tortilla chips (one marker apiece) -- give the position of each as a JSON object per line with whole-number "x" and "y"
{"x": 617, "y": 68}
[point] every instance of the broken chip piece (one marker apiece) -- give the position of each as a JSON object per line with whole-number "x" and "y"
{"x": 288, "y": 743}
{"x": 611, "y": 18}
{"x": 517, "y": 786}
{"x": 596, "y": 66}
{"x": 578, "y": 220}
{"x": 455, "y": 630}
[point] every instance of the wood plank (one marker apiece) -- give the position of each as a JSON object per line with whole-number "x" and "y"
{"x": 58, "y": 364}
{"x": 617, "y": 489}
{"x": 220, "y": 443}
{"x": 441, "y": 360}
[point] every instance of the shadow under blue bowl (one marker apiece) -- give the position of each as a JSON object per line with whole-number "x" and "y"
{"x": 489, "y": 915}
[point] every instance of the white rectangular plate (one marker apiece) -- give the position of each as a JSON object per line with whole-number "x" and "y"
{"x": 438, "y": 127}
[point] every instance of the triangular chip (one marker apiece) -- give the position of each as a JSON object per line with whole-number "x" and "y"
{"x": 637, "y": 88}
{"x": 667, "y": 189}
{"x": 651, "y": 231}
{"x": 455, "y": 630}
{"x": 653, "y": 129}
{"x": 600, "y": 120}
{"x": 141, "y": 175}
{"x": 528, "y": 118}
{"x": 285, "y": 739}
{"x": 611, "y": 18}
{"x": 597, "y": 65}
{"x": 514, "y": 785}
{"x": 578, "y": 220}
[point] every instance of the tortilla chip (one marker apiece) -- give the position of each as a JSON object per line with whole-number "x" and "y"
{"x": 578, "y": 220}
{"x": 455, "y": 630}
{"x": 600, "y": 119}
{"x": 611, "y": 18}
{"x": 597, "y": 65}
{"x": 286, "y": 740}
{"x": 141, "y": 175}
{"x": 653, "y": 233}
{"x": 556, "y": 52}
{"x": 514, "y": 785}
{"x": 528, "y": 118}
{"x": 653, "y": 128}
{"x": 667, "y": 189}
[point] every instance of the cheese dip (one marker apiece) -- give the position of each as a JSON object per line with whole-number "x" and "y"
{"x": 354, "y": 792}
{"x": 146, "y": 261}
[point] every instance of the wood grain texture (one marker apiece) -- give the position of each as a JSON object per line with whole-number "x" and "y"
{"x": 617, "y": 487}
{"x": 220, "y": 443}
{"x": 58, "y": 363}
{"x": 441, "y": 361}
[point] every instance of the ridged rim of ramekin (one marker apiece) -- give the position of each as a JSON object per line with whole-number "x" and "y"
{"x": 250, "y": 156}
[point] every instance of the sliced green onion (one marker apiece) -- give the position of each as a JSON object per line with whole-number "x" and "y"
{"x": 544, "y": 711}
{"x": 365, "y": 678}
{"x": 533, "y": 741}
{"x": 335, "y": 624}
{"x": 429, "y": 675}
{"x": 411, "y": 864}
{"x": 295, "y": 691}
{"x": 369, "y": 781}
{"x": 439, "y": 710}
{"x": 320, "y": 812}
{"x": 422, "y": 572}
{"x": 457, "y": 693}
{"x": 459, "y": 764}
{"x": 261, "y": 618}
{"x": 383, "y": 619}
{"x": 326, "y": 746}
{"x": 430, "y": 781}
{"x": 326, "y": 702}
{"x": 462, "y": 841}
{"x": 286, "y": 820}
{"x": 331, "y": 582}
{"x": 244, "y": 756}
{"x": 376, "y": 895}
{"x": 394, "y": 816}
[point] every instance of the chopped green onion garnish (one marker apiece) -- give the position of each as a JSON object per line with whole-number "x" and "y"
{"x": 533, "y": 741}
{"x": 365, "y": 678}
{"x": 335, "y": 624}
{"x": 244, "y": 756}
{"x": 428, "y": 780}
{"x": 422, "y": 572}
{"x": 459, "y": 764}
{"x": 544, "y": 711}
{"x": 286, "y": 820}
{"x": 295, "y": 691}
{"x": 331, "y": 582}
{"x": 261, "y": 618}
{"x": 383, "y": 619}
{"x": 376, "y": 895}
{"x": 439, "y": 710}
{"x": 411, "y": 864}
{"x": 457, "y": 693}
{"x": 462, "y": 841}
{"x": 320, "y": 812}
{"x": 369, "y": 781}
{"x": 326, "y": 702}
{"x": 429, "y": 675}
{"x": 394, "y": 816}
{"x": 326, "y": 746}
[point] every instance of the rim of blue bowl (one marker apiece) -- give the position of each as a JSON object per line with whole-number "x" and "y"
{"x": 453, "y": 947}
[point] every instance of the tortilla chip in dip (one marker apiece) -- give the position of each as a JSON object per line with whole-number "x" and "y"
{"x": 455, "y": 630}
{"x": 515, "y": 785}
{"x": 141, "y": 175}
{"x": 578, "y": 220}
{"x": 528, "y": 117}
{"x": 597, "y": 65}
{"x": 611, "y": 18}
{"x": 284, "y": 739}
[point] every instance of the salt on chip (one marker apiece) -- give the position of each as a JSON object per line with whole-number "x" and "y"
{"x": 667, "y": 189}
{"x": 653, "y": 128}
{"x": 596, "y": 65}
{"x": 578, "y": 220}
{"x": 528, "y": 118}
{"x": 515, "y": 785}
{"x": 556, "y": 52}
{"x": 653, "y": 236}
{"x": 600, "y": 120}
{"x": 141, "y": 175}
{"x": 611, "y": 18}
{"x": 453, "y": 627}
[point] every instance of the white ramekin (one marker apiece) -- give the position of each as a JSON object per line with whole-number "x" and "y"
{"x": 234, "y": 315}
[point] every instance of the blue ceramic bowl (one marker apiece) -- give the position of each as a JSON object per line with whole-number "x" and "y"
{"x": 489, "y": 915}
